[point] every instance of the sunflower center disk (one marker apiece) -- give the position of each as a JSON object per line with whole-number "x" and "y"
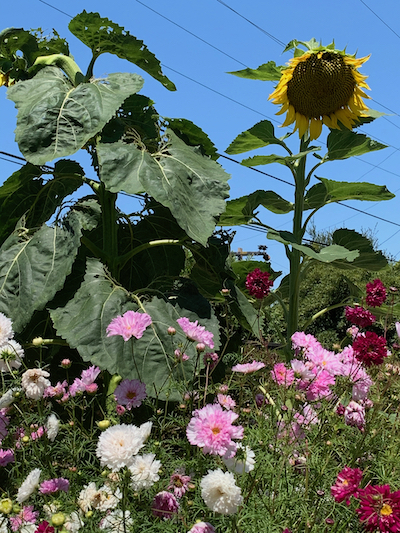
{"x": 320, "y": 85}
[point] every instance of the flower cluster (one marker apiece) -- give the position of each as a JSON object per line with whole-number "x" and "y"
{"x": 258, "y": 283}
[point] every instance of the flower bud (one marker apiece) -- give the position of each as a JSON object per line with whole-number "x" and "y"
{"x": 58, "y": 519}
{"x": 103, "y": 424}
{"x": 6, "y": 506}
{"x": 37, "y": 341}
{"x": 171, "y": 331}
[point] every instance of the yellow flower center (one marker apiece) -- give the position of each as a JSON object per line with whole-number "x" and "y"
{"x": 386, "y": 510}
{"x": 131, "y": 394}
{"x": 321, "y": 85}
{"x": 216, "y": 430}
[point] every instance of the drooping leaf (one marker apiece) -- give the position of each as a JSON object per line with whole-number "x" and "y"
{"x": 33, "y": 267}
{"x": 84, "y": 320}
{"x": 242, "y": 210}
{"x": 193, "y": 136}
{"x": 247, "y": 315}
{"x": 266, "y": 72}
{"x": 329, "y": 191}
{"x": 287, "y": 160}
{"x": 345, "y": 143}
{"x": 192, "y": 186}
{"x": 102, "y": 35}
{"x": 56, "y": 119}
{"x": 260, "y": 135}
{"x": 368, "y": 258}
{"x": 326, "y": 255}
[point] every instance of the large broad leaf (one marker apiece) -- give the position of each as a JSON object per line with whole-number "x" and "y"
{"x": 193, "y": 136}
{"x": 326, "y": 255}
{"x": 25, "y": 193}
{"x": 56, "y": 119}
{"x": 241, "y": 210}
{"x": 102, "y": 35}
{"x": 83, "y": 322}
{"x": 266, "y": 72}
{"x": 368, "y": 259}
{"x": 260, "y": 135}
{"x": 192, "y": 186}
{"x": 329, "y": 191}
{"x": 345, "y": 143}
{"x": 33, "y": 267}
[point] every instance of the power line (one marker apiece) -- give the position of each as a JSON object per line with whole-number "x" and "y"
{"x": 377, "y": 16}
{"x": 278, "y": 41}
{"x": 56, "y": 8}
{"x": 191, "y": 33}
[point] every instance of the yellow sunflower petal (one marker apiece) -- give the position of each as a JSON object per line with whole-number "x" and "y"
{"x": 301, "y": 124}
{"x": 290, "y": 117}
{"x": 343, "y": 116}
{"x": 315, "y": 128}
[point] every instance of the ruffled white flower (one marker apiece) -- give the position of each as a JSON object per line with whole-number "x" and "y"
{"x": 11, "y": 353}
{"x": 144, "y": 471}
{"x": 6, "y": 330}
{"x": 240, "y": 466}
{"x": 115, "y": 522}
{"x": 29, "y": 486}
{"x": 118, "y": 445}
{"x": 52, "y": 426}
{"x": 73, "y": 522}
{"x": 7, "y": 399}
{"x": 101, "y": 499}
{"x": 34, "y": 381}
{"x": 3, "y": 525}
{"x": 220, "y": 492}
{"x": 87, "y": 496}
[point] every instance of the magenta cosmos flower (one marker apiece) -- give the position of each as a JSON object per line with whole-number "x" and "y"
{"x": 248, "y": 368}
{"x": 379, "y": 508}
{"x": 130, "y": 392}
{"x": 54, "y": 485}
{"x": 164, "y": 504}
{"x": 130, "y": 324}
{"x": 196, "y": 333}
{"x": 346, "y": 485}
{"x": 211, "y": 429}
{"x": 258, "y": 283}
{"x": 370, "y": 349}
{"x": 376, "y": 293}
{"x": 360, "y": 316}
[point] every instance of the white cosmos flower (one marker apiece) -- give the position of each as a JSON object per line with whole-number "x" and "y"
{"x": 34, "y": 381}
{"x": 240, "y": 466}
{"x": 220, "y": 492}
{"x": 115, "y": 522}
{"x": 7, "y": 399}
{"x": 6, "y": 331}
{"x": 52, "y": 426}
{"x": 29, "y": 486}
{"x": 144, "y": 471}
{"x": 11, "y": 353}
{"x": 118, "y": 444}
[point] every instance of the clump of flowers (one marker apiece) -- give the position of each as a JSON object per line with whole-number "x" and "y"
{"x": 211, "y": 429}
{"x": 258, "y": 283}
{"x": 376, "y": 293}
{"x": 130, "y": 324}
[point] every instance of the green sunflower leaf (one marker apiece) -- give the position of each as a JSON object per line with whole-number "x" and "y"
{"x": 260, "y": 135}
{"x": 56, "y": 119}
{"x": 342, "y": 144}
{"x": 329, "y": 191}
{"x": 265, "y": 72}
{"x": 192, "y": 186}
{"x": 102, "y": 35}
{"x": 368, "y": 258}
{"x": 242, "y": 210}
{"x": 287, "y": 160}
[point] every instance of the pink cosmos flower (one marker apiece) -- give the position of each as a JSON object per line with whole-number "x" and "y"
{"x": 282, "y": 375}
{"x": 302, "y": 342}
{"x": 196, "y": 333}
{"x": 302, "y": 370}
{"x": 376, "y": 293}
{"x": 57, "y": 391}
{"x": 258, "y": 283}
{"x": 130, "y": 392}
{"x": 211, "y": 359}
{"x": 379, "y": 508}
{"x": 360, "y": 316}
{"x": 179, "y": 484}
{"x": 226, "y": 401}
{"x": 202, "y": 527}
{"x": 325, "y": 360}
{"x": 130, "y": 324}
{"x": 164, "y": 505}
{"x": 319, "y": 387}
{"x": 26, "y": 516}
{"x": 248, "y": 368}
{"x": 346, "y": 484}
{"x": 211, "y": 429}
{"x": 354, "y": 415}
{"x": 85, "y": 382}
{"x": 181, "y": 356}
{"x": 370, "y": 349}
{"x": 6, "y": 456}
{"x": 54, "y": 485}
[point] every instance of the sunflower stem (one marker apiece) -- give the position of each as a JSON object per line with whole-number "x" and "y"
{"x": 294, "y": 255}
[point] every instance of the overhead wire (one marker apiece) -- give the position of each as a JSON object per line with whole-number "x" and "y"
{"x": 378, "y": 17}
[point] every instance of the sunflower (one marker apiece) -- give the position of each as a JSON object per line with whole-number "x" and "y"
{"x": 321, "y": 86}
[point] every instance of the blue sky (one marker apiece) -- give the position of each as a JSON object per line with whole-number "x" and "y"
{"x": 224, "y": 105}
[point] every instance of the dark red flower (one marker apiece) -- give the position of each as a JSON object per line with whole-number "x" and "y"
{"x": 360, "y": 316}
{"x": 258, "y": 283}
{"x": 346, "y": 484}
{"x": 370, "y": 349}
{"x": 379, "y": 508}
{"x": 44, "y": 527}
{"x": 376, "y": 293}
